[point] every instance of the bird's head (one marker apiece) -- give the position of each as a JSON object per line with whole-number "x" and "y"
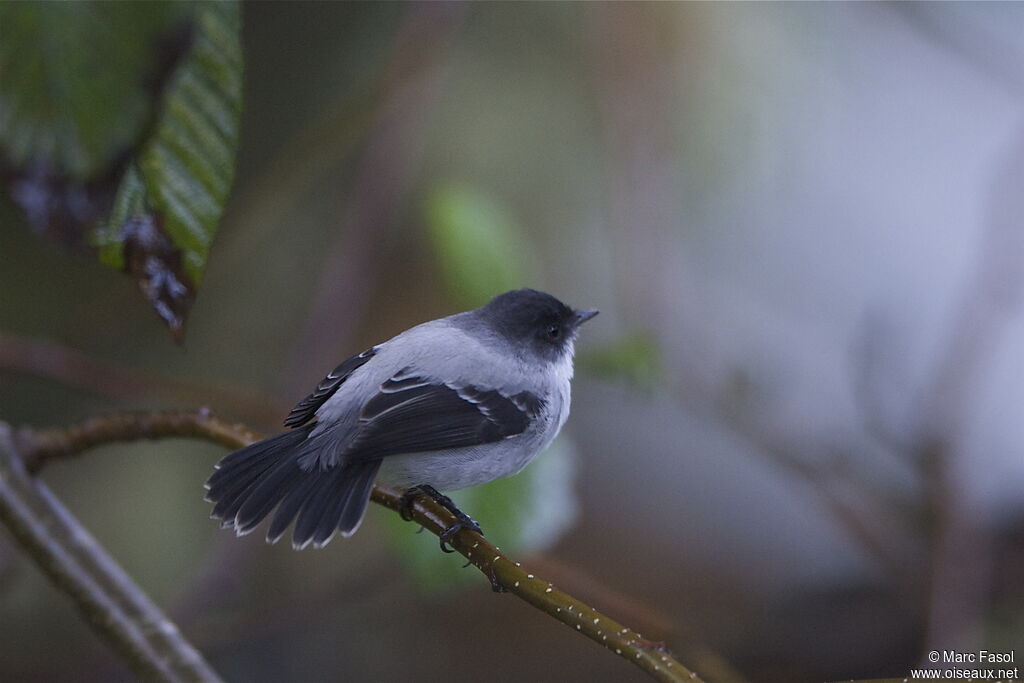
{"x": 537, "y": 321}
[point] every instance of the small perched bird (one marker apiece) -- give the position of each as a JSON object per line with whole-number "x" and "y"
{"x": 454, "y": 402}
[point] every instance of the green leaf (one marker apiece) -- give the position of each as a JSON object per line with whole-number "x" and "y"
{"x": 72, "y": 77}
{"x": 184, "y": 171}
{"x": 523, "y": 513}
{"x": 481, "y": 250}
{"x": 119, "y": 124}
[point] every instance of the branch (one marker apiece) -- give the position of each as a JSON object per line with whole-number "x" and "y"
{"x": 58, "y": 362}
{"x": 76, "y": 564}
{"x": 39, "y": 447}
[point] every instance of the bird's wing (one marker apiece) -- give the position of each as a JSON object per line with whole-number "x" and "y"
{"x": 305, "y": 409}
{"x": 411, "y": 414}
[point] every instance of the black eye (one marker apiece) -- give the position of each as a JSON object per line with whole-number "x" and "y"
{"x": 554, "y": 332}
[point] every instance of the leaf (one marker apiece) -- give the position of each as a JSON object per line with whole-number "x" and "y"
{"x": 72, "y": 80}
{"x": 523, "y": 513}
{"x": 118, "y": 129}
{"x": 179, "y": 182}
{"x": 480, "y": 249}
{"x": 634, "y": 358}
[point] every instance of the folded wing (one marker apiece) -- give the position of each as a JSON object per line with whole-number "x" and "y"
{"x": 412, "y": 414}
{"x": 305, "y": 409}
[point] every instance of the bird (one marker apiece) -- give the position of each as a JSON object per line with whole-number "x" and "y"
{"x": 454, "y": 402}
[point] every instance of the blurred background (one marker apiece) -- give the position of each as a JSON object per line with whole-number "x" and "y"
{"x": 797, "y": 435}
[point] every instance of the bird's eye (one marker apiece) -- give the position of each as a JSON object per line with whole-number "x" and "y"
{"x": 554, "y": 332}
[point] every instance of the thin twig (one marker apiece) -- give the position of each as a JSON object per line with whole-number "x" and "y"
{"x": 652, "y": 657}
{"x": 41, "y": 446}
{"x": 114, "y": 606}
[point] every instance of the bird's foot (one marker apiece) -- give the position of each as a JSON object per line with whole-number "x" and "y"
{"x": 462, "y": 520}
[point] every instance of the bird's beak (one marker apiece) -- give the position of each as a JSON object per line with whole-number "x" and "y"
{"x": 583, "y": 316}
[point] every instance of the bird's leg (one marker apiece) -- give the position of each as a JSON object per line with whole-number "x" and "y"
{"x": 462, "y": 520}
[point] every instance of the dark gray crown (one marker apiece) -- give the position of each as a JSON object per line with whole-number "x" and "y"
{"x": 539, "y": 320}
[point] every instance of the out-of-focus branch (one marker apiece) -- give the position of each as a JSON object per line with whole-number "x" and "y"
{"x": 876, "y": 368}
{"x": 855, "y": 509}
{"x": 114, "y": 606}
{"x": 39, "y": 447}
{"x": 962, "y": 554}
{"x": 60, "y": 363}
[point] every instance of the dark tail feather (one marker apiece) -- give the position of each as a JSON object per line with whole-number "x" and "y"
{"x": 289, "y": 507}
{"x": 252, "y": 481}
{"x": 346, "y": 511}
{"x": 238, "y": 472}
{"x": 314, "y": 508}
{"x": 358, "y": 498}
{"x": 341, "y": 494}
{"x": 264, "y": 495}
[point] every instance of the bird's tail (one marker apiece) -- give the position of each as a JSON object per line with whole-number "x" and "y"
{"x": 252, "y": 481}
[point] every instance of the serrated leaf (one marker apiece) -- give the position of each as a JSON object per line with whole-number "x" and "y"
{"x": 72, "y": 80}
{"x": 179, "y": 182}
{"x": 480, "y": 248}
{"x": 118, "y": 128}
{"x": 523, "y": 513}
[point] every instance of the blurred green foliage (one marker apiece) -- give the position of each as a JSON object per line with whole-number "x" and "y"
{"x": 634, "y": 358}
{"x": 479, "y": 246}
{"x": 482, "y": 251}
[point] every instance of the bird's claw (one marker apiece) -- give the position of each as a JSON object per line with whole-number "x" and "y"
{"x": 405, "y": 503}
{"x": 447, "y": 534}
{"x": 462, "y": 520}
